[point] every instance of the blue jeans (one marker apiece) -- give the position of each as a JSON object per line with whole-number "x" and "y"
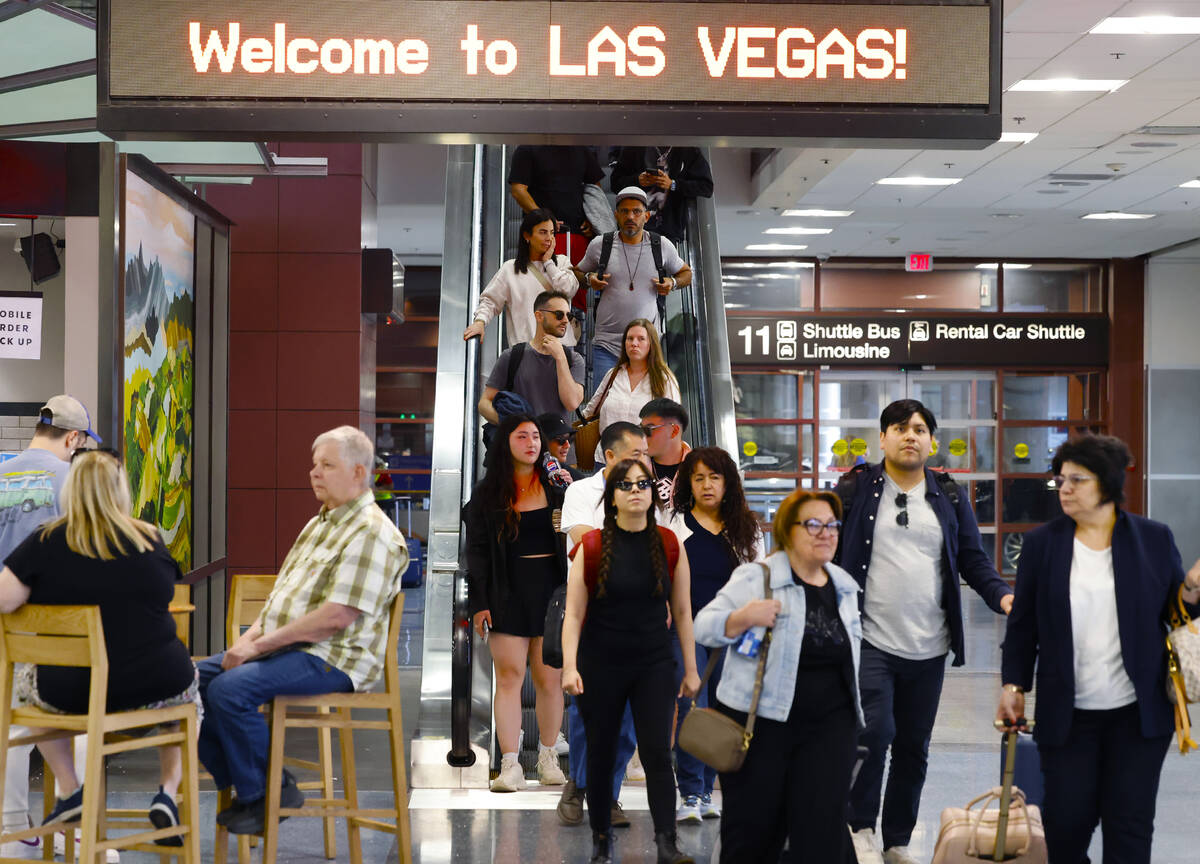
{"x": 234, "y": 738}
{"x": 900, "y": 700}
{"x": 577, "y": 738}
{"x": 602, "y": 361}
{"x": 692, "y": 775}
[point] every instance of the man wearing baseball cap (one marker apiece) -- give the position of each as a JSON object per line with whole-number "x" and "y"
{"x": 30, "y": 485}
{"x": 632, "y": 274}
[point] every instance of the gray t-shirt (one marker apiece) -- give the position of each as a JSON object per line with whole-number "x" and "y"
{"x": 618, "y": 304}
{"x": 30, "y": 488}
{"x": 537, "y": 379}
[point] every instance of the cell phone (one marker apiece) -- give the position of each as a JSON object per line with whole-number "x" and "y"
{"x": 486, "y": 630}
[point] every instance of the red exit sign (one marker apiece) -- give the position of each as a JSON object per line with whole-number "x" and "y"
{"x": 918, "y": 262}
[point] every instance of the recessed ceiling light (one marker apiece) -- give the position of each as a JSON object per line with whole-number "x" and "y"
{"x": 775, "y": 247}
{"x": 1069, "y": 85}
{"x": 1191, "y": 184}
{"x": 1152, "y": 145}
{"x": 817, "y": 213}
{"x": 994, "y": 266}
{"x": 1017, "y": 137}
{"x": 1149, "y": 25}
{"x": 1116, "y": 214}
{"x": 796, "y": 229}
{"x": 1052, "y": 191}
{"x": 1006, "y": 215}
{"x": 919, "y": 181}
{"x": 773, "y": 265}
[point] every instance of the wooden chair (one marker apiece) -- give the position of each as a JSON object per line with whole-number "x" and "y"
{"x": 297, "y": 712}
{"x": 73, "y": 636}
{"x": 181, "y": 610}
{"x": 248, "y": 594}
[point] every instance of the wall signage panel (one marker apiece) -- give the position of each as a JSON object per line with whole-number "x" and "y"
{"x": 526, "y": 53}
{"x": 919, "y": 340}
{"x": 20, "y": 325}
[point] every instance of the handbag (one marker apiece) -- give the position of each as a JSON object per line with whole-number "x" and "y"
{"x": 587, "y": 430}
{"x": 1183, "y": 669}
{"x": 556, "y": 611}
{"x": 969, "y": 834}
{"x": 715, "y": 739}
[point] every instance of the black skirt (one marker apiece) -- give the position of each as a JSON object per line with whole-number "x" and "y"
{"x": 531, "y": 581}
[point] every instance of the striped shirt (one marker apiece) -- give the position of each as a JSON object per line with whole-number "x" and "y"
{"x": 352, "y": 555}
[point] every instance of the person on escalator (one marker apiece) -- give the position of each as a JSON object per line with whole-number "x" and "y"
{"x": 670, "y": 176}
{"x": 664, "y": 421}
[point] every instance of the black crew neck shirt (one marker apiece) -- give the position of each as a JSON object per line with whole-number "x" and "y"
{"x": 825, "y": 672}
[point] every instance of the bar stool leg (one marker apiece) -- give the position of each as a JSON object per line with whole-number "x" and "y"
{"x": 270, "y": 846}
{"x": 400, "y": 784}
{"x": 325, "y": 757}
{"x": 350, "y": 784}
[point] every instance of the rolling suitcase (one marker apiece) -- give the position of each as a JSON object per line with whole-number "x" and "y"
{"x": 1010, "y": 832}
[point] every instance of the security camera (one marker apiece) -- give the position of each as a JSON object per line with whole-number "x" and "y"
{"x": 1114, "y": 167}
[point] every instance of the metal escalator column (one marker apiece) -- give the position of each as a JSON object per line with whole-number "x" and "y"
{"x": 715, "y": 367}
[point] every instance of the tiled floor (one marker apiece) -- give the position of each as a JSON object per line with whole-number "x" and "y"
{"x": 478, "y": 826}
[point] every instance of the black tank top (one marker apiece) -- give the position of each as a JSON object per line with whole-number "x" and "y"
{"x": 535, "y": 534}
{"x": 628, "y": 623}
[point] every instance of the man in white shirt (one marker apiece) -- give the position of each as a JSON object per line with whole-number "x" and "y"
{"x": 583, "y": 511}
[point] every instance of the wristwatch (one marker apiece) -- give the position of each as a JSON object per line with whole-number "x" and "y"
{"x": 1013, "y": 688}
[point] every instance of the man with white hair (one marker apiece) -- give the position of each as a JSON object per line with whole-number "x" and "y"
{"x": 322, "y": 630}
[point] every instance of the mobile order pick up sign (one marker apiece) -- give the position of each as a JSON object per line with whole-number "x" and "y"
{"x": 20, "y": 325}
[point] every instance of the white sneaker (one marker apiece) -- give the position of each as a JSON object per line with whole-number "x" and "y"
{"x": 898, "y": 855}
{"x": 689, "y": 811}
{"x": 708, "y": 809}
{"x": 20, "y": 849}
{"x": 512, "y": 776}
{"x": 866, "y": 850}
{"x": 561, "y": 747}
{"x": 548, "y": 770}
{"x": 634, "y": 772}
{"x": 111, "y": 856}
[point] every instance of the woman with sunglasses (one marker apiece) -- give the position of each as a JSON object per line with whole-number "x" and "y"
{"x": 617, "y": 649}
{"x": 515, "y": 559}
{"x": 719, "y": 532}
{"x": 641, "y": 374}
{"x": 98, "y": 555}
{"x": 795, "y": 781}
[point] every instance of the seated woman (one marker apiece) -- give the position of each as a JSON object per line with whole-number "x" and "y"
{"x": 99, "y": 555}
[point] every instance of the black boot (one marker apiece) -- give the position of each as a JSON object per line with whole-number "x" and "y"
{"x": 668, "y": 849}
{"x": 602, "y": 848}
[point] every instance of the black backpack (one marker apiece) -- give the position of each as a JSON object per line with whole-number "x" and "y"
{"x": 606, "y": 247}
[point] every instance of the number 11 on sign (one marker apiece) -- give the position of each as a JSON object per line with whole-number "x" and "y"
{"x": 763, "y": 333}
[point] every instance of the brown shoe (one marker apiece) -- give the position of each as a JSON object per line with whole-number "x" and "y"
{"x": 618, "y": 818}
{"x": 570, "y": 805}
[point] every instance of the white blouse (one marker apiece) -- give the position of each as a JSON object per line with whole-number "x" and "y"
{"x": 624, "y": 402}
{"x": 517, "y": 291}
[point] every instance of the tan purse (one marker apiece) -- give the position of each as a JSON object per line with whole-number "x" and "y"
{"x": 715, "y": 739}
{"x": 587, "y": 431}
{"x": 1183, "y": 670}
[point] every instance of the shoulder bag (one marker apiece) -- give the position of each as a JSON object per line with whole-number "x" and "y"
{"x": 715, "y": 739}
{"x": 587, "y": 430}
{"x": 1183, "y": 669}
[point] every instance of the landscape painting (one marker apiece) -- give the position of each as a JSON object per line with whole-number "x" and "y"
{"x": 159, "y": 239}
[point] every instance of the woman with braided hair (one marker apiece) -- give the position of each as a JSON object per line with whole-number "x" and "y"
{"x": 617, "y": 644}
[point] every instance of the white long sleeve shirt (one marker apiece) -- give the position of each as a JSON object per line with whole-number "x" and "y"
{"x": 624, "y": 402}
{"x": 517, "y": 291}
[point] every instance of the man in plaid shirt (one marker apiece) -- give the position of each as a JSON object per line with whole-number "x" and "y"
{"x": 322, "y": 630}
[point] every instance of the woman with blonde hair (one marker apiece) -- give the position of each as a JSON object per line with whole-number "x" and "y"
{"x": 641, "y": 374}
{"x": 98, "y": 555}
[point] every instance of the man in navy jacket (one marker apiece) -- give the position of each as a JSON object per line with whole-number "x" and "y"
{"x": 909, "y": 535}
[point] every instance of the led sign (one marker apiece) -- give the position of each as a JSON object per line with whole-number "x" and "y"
{"x": 183, "y": 56}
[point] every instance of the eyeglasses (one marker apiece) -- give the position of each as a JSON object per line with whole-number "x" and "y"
{"x": 902, "y": 516}
{"x": 108, "y": 450}
{"x": 1061, "y": 481}
{"x": 627, "y": 485}
{"x": 815, "y": 526}
{"x": 648, "y": 429}
{"x": 558, "y": 314}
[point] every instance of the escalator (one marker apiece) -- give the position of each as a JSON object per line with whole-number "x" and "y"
{"x": 453, "y": 744}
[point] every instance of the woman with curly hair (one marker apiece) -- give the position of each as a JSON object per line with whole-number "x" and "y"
{"x": 621, "y": 580}
{"x": 515, "y": 560}
{"x": 718, "y": 532}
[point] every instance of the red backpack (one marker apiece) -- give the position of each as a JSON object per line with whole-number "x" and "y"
{"x": 591, "y": 555}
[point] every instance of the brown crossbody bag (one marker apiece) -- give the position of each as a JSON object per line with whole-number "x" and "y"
{"x": 715, "y": 739}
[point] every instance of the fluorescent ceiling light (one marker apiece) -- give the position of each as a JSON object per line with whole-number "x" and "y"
{"x": 796, "y": 229}
{"x": 768, "y": 265}
{"x": 1069, "y": 85}
{"x": 919, "y": 181}
{"x": 775, "y": 247}
{"x": 1191, "y": 184}
{"x": 1017, "y": 137}
{"x": 1114, "y": 214}
{"x": 8, "y": 224}
{"x": 819, "y": 214}
{"x": 994, "y": 266}
{"x": 1149, "y": 25}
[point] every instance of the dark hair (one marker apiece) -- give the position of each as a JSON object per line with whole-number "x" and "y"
{"x": 741, "y": 525}
{"x": 497, "y": 488}
{"x": 542, "y": 300}
{"x": 654, "y": 543}
{"x": 46, "y": 429}
{"x": 667, "y": 408}
{"x": 785, "y": 516}
{"x": 899, "y": 412}
{"x": 1106, "y": 456}
{"x": 530, "y": 221}
{"x": 614, "y": 432}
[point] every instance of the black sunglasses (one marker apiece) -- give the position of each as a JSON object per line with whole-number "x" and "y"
{"x": 108, "y": 450}
{"x": 557, "y": 313}
{"x": 562, "y": 440}
{"x": 627, "y": 485}
{"x": 902, "y": 516}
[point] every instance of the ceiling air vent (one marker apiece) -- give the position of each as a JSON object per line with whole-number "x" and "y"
{"x": 1168, "y": 130}
{"x": 1086, "y": 178}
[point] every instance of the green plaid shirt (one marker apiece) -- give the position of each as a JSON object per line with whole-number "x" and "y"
{"x": 351, "y": 555}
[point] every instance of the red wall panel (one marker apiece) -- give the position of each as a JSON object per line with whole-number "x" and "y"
{"x": 320, "y": 214}
{"x": 252, "y": 378}
{"x": 251, "y": 442}
{"x": 320, "y": 292}
{"x": 253, "y": 291}
{"x": 319, "y": 371}
{"x": 294, "y": 434}
{"x": 252, "y": 531}
{"x": 254, "y": 210}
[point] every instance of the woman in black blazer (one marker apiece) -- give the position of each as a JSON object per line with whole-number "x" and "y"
{"x": 1093, "y": 588}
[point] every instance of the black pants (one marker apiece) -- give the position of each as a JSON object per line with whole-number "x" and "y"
{"x": 1106, "y": 772}
{"x": 792, "y": 786}
{"x": 650, "y": 691}
{"x": 900, "y": 701}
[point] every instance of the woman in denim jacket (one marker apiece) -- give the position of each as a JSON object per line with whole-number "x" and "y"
{"x": 795, "y": 781}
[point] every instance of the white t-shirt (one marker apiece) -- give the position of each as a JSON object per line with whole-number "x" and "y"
{"x": 583, "y": 504}
{"x": 1101, "y": 682}
{"x": 902, "y": 602}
